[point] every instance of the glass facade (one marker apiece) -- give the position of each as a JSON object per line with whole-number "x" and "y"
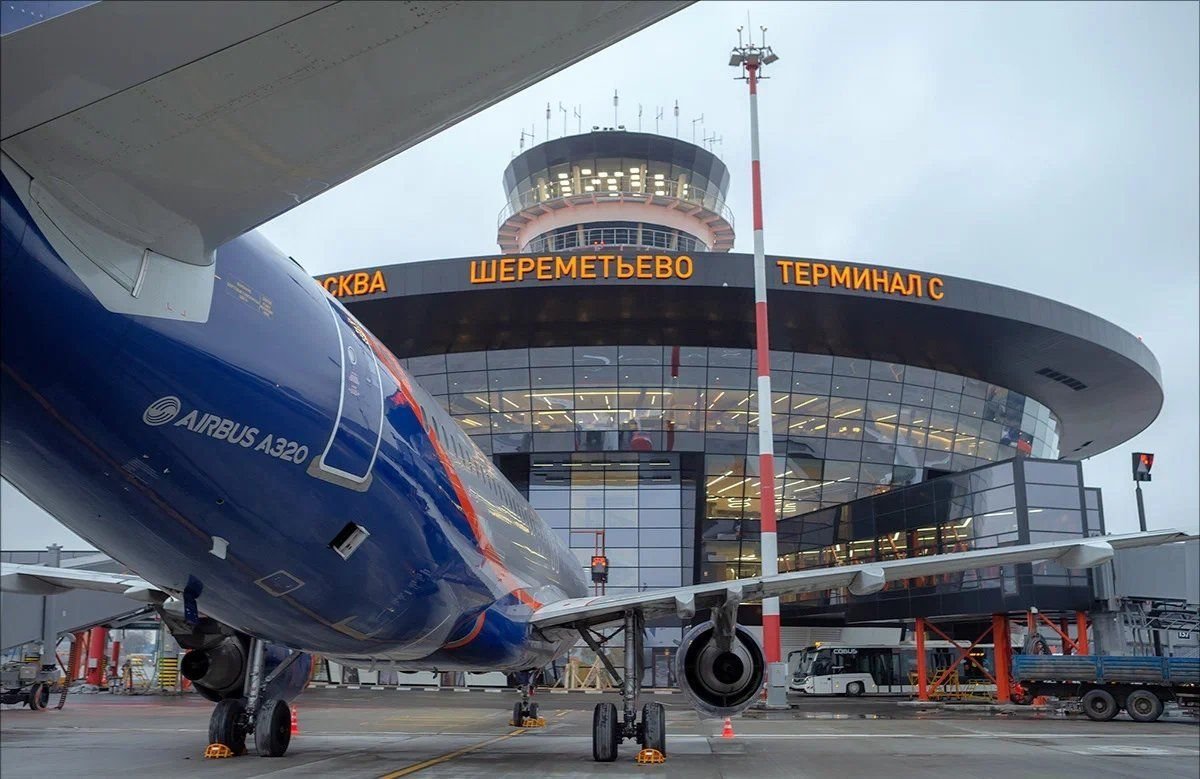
{"x": 633, "y": 437}
{"x": 1013, "y": 502}
{"x": 616, "y": 234}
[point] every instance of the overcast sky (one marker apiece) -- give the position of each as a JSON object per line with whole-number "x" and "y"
{"x": 1050, "y": 148}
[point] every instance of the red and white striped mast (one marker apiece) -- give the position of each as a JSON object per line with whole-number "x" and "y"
{"x": 752, "y": 59}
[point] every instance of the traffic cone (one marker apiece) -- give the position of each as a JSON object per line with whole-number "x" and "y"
{"x": 728, "y": 730}
{"x": 295, "y": 722}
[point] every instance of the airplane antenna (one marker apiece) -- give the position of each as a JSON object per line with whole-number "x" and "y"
{"x": 564, "y": 113}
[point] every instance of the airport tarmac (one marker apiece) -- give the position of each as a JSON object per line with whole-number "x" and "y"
{"x": 390, "y": 733}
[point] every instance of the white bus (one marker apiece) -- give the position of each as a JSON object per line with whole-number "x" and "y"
{"x": 882, "y": 669}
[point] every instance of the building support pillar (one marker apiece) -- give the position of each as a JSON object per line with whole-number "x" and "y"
{"x": 97, "y": 639}
{"x": 1081, "y": 629}
{"x": 1002, "y": 656}
{"x": 922, "y": 667}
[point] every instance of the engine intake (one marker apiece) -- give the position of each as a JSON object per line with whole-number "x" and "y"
{"x": 719, "y": 682}
{"x": 219, "y": 672}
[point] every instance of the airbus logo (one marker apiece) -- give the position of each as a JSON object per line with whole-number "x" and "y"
{"x": 161, "y": 411}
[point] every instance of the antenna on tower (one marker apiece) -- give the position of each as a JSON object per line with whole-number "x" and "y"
{"x": 547, "y": 121}
{"x": 699, "y": 119}
{"x": 711, "y": 141}
{"x": 578, "y": 119}
{"x": 676, "y": 118}
{"x": 639, "y": 117}
{"x": 525, "y": 135}
{"x": 657, "y": 116}
{"x": 614, "y": 108}
{"x": 564, "y": 113}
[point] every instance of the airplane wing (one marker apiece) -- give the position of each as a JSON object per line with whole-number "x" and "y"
{"x": 44, "y": 580}
{"x": 862, "y": 579}
{"x": 176, "y": 127}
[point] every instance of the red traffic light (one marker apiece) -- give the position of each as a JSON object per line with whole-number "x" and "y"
{"x": 1142, "y": 463}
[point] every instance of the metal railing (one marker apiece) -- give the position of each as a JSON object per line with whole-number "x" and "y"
{"x": 661, "y": 189}
{"x": 568, "y": 238}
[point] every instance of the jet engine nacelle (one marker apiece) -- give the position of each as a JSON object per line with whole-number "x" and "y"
{"x": 219, "y": 672}
{"x": 719, "y": 682}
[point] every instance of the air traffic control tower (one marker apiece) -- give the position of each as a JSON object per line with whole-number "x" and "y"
{"x": 615, "y": 188}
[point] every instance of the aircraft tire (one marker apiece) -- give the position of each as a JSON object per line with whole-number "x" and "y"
{"x": 606, "y": 733}
{"x": 518, "y": 715}
{"x": 225, "y": 725}
{"x": 273, "y": 728}
{"x": 654, "y": 727}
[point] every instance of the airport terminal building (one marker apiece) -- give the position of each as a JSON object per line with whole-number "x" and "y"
{"x": 604, "y": 360}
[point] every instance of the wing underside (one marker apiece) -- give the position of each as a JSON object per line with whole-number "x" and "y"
{"x": 176, "y": 127}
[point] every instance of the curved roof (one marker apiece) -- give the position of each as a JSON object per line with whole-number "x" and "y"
{"x": 1102, "y": 383}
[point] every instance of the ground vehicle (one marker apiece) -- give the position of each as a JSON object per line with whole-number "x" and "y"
{"x": 24, "y": 682}
{"x": 878, "y": 669}
{"x": 1105, "y": 685}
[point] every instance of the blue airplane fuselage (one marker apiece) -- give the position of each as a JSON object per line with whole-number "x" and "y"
{"x": 221, "y": 459}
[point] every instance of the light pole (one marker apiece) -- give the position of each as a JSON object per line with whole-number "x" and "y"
{"x": 751, "y": 59}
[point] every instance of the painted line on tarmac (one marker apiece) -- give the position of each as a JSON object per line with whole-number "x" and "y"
{"x": 1007, "y": 736}
{"x": 412, "y": 769}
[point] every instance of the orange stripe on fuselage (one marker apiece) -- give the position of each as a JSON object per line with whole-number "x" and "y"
{"x": 503, "y": 575}
{"x": 468, "y": 638}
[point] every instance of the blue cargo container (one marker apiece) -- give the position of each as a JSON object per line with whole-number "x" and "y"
{"x": 1106, "y": 685}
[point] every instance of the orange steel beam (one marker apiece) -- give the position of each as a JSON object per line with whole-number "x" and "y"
{"x": 1081, "y": 628}
{"x": 962, "y": 653}
{"x": 1001, "y": 656}
{"x": 922, "y": 668}
{"x": 1065, "y": 638}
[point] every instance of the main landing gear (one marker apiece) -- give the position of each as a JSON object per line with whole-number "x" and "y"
{"x": 268, "y": 719}
{"x": 609, "y": 728}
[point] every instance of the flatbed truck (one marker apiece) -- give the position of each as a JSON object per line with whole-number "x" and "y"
{"x": 1107, "y": 684}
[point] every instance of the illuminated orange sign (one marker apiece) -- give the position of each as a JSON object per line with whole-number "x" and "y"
{"x": 803, "y": 273}
{"x": 583, "y": 266}
{"x": 361, "y": 282}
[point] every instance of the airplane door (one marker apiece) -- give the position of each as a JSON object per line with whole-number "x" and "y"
{"x": 349, "y": 456}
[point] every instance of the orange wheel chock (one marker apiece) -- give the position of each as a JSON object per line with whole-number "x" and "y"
{"x": 650, "y": 756}
{"x": 217, "y": 750}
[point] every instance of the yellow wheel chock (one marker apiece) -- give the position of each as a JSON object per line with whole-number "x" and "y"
{"x": 217, "y": 750}
{"x": 533, "y": 722}
{"x": 650, "y": 756}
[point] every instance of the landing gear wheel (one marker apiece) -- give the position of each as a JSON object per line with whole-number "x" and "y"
{"x": 1099, "y": 705}
{"x": 518, "y": 714}
{"x": 273, "y": 728}
{"x": 225, "y": 726}
{"x": 654, "y": 727}
{"x": 532, "y": 711}
{"x": 855, "y": 689}
{"x": 39, "y": 696}
{"x": 1143, "y": 706}
{"x": 606, "y": 733}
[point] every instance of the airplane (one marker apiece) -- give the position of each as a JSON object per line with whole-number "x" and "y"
{"x": 182, "y": 395}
